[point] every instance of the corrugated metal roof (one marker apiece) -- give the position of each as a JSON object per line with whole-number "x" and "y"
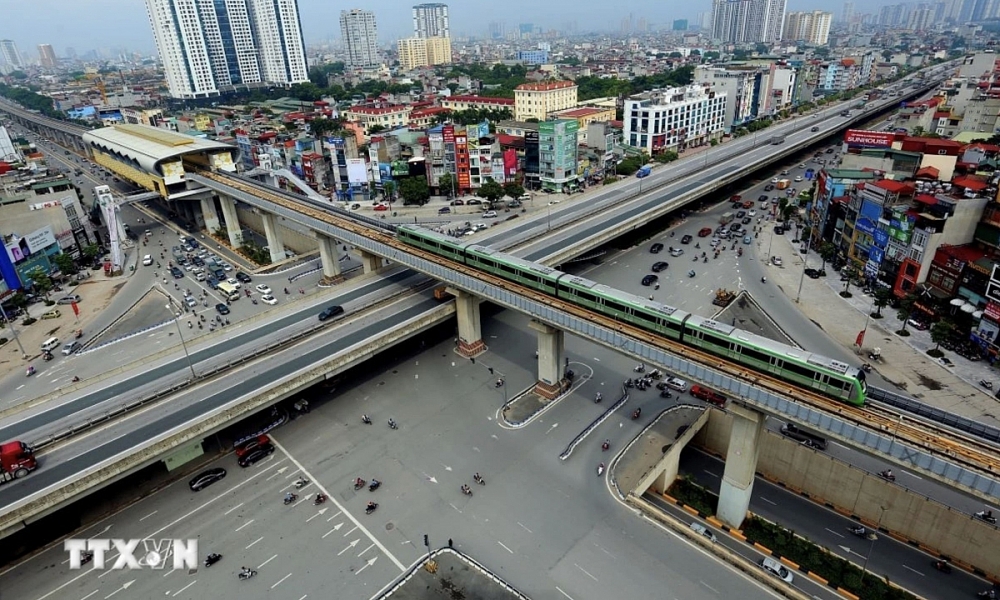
{"x": 150, "y": 145}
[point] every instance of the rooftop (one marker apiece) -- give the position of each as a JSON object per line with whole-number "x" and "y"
{"x": 545, "y": 86}
{"x": 480, "y": 100}
{"x": 149, "y": 145}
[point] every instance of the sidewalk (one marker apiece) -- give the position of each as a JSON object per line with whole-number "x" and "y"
{"x": 905, "y": 364}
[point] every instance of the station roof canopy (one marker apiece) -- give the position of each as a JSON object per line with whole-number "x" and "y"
{"x": 148, "y": 146}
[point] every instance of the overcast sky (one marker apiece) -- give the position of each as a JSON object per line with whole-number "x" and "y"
{"x": 91, "y": 24}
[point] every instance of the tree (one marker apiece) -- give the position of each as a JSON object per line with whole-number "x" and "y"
{"x": 849, "y": 273}
{"x": 389, "y": 190}
{"x": 940, "y": 332}
{"x": 414, "y": 190}
{"x": 65, "y": 264}
{"x": 491, "y": 191}
{"x": 882, "y": 297}
{"x": 40, "y": 280}
{"x": 827, "y": 252}
{"x": 376, "y": 129}
{"x": 90, "y": 252}
{"x": 322, "y": 126}
{"x": 513, "y": 190}
{"x": 904, "y": 312}
{"x": 446, "y": 184}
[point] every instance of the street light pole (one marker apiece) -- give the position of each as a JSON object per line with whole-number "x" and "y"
{"x": 183, "y": 344}
{"x": 864, "y": 567}
{"x": 10, "y": 324}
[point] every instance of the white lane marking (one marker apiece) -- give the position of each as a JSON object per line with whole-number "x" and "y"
{"x": 184, "y": 588}
{"x": 455, "y": 507}
{"x": 911, "y": 474}
{"x": 328, "y": 533}
{"x": 523, "y": 527}
{"x": 21, "y": 386}
{"x": 280, "y": 580}
{"x": 89, "y": 595}
{"x": 304, "y": 596}
{"x": 564, "y": 593}
{"x": 254, "y": 542}
{"x": 232, "y": 509}
{"x": 584, "y": 571}
{"x": 339, "y": 512}
{"x": 149, "y": 515}
{"x": 124, "y": 586}
{"x": 505, "y": 547}
{"x": 914, "y": 570}
{"x": 833, "y": 532}
{"x": 366, "y": 550}
{"x": 769, "y": 501}
{"x": 267, "y": 561}
{"x": 349, "y": 546}
{"x": 339, "y": 506}
{"x": 708, "y": 586}
{"x": 370, "y": 562}
{"x": 353, "y": 529}
{"x": 710, "y": 474}
{"x": 245, "y": 524}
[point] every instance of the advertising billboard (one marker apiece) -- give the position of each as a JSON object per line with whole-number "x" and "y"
{"x": 510, "y": 162}
{"x": 400, "y": 168}
{"x": 357, "y": 172}
{"x": 869, "y": 139}
{"x": 385, "y": 172}
{"x": 448, "y": 133}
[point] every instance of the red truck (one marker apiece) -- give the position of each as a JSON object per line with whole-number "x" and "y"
{"x": 17, "y": 459}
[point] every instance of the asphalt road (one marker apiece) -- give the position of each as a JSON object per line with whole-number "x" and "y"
{"x": 567, "y": 538}
{"x": 901, "y": 563}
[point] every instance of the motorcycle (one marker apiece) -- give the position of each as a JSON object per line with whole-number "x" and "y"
{"x": 605, "y": 446}
{"x": 392, "y": 424}
{"x": 291, "y": 498}
{"x": 86, "y": 557}
{"x": 359, "y": 483}
{"x": 597, "y": 398}
{"x": 600, "y": 469}
{"x": 466, "y": 490}
{"x": 867, "y": 368}
{"x": 301, "y": 483}
{"x": 370, "y": 508}
{"x": 666, "y": 394}
{"x": 211, "y": 559}
{"x": 989, "y": 594}
{"x": 640, "y": 368}
{"x": 366, "y": 420}
{"x": 986, "y": 515}
{"x": 943, "y": 566}
{"x": 479, "y": 479}
{"x": 887, "y": 475}
{"x": 986, "y": 384}
{"x": 374, "y": 485}
{"x": 247, "y": 574}
{"x": 320, "y": 499}
{"x": 705, "y": 259}
{"x": 636, "y": 413}
{"x": 655, "y": 374}
{"x": 30, "y": 371}
{"x": 691, "y": 273}
{"x": 78, "y": 334}
{"x": 629, "y": 383}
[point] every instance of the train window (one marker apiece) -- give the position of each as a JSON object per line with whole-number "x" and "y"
{"x": 799, "y": 370}
{"x": 721, "y": 343}
{"x": 754, "y": 354}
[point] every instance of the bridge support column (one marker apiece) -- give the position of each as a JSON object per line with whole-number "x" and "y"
{"x": 329, "y": 256}
{"x": 209, "y": 215}
{"x": 470, "y": 335}
{"x": 274, "y": 243}
{"x": 741, "y": 463}
{"x": 372, "y": 263}
{"x": 550, "y": 360}
{"x": 232, "y": 221}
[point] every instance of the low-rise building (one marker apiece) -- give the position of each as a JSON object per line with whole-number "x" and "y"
{"x": 539, "y": 100}
{"x": 584, "y": 116}
{"x": 674, "y": 118}
{"x": 387, "y": 116}
{"x": 557, "y": 155}
{"x": 477, "y": 103}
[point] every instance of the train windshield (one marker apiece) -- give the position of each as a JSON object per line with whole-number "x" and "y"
{"x": 864, "y": 384}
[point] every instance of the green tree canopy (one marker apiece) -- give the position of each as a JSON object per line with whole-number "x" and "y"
{"x": 446, "y": 184}
{"x": 414, "y": 190}
{"x": 513, "y": 190}
{"x": 491, "y": 191}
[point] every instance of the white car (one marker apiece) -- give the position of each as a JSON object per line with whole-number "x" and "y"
{"x": 676, "y": 384}
{"x": 234, "y": 282}
{"x": 227, "y": 267}
{"x": 776, "y": 261}
{"x": 147, "y": 260}
{"x": 772, "y": 566}
{"x": 799, "y": 178}
{"x": 775, "y": 180}
{"x": 269, "y": 299}
{"x": 490, "y": 214}
{"x": 752, "y": 213}
{"x": 263, "y": 289}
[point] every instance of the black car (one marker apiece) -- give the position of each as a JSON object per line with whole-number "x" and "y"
{"x": 222, "y": 309}
{"x": 656, "y": 248}
{"x": 255, "y": 455}
{"x": 829, "y": 150}
{"x": 177, "y": 273}
{"x": 686, "y": 239}
{"x": 746, "y": 220}
{"x": 762, "y": 198}
{"x": 735, "y": 227}
{"x": 331, "y": 311}
{"x": 741, "y": 214}
{"x": 219, "y": 274}
{"x": 659, "y": 266}
{"x": 737, "y": 205}
{"x": 812, "y": 273}
{"x": 198, "y": 262}
{"x": 649, "y": 280}
{"x": 243, "y": 277}
{"x": 768, "y": 187}
{"x": 206, "y": 478}
{"x": 213, "y": 283}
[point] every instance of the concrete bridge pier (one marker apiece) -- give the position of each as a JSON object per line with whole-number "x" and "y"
{"x": 329, "y": 256}
{"x": 741, "y": 464}
{"x": 209, "y": 215}
{"x": 550, "y": 360}
{"x": 274, "y": 243}
{"x": 470, "y": 334}
{"x": 373, "y": 262}
{"x": 232, "y": 221}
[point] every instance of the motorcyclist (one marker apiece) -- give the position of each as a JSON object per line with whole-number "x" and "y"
{"x": 887, "y": 473}
{"x": 76, "y": 378}
{"x": 763, "y": 279}
{"x": 289, "y": 497}
{"x": 598, "y": 398}
{"x": 606, "y": 444}
{"x": 371, "y": 506}
{"x": 359, "y": 482}
{"x": 477, "y": 477}
{"x": 366, "y": 420}
{"x": 859, "y": 530}
{"x": 392, "y": 423}
{"x": 320, "y": 498}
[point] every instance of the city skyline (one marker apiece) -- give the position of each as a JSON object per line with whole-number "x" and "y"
{"x": 87, "y": 26}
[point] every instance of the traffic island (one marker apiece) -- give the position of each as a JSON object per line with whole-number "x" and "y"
{"x": 447, "y": 574}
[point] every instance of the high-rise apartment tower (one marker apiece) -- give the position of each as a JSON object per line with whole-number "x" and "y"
{"x": 209, "y": 47}
{"x": 360, "y": 38}
{"x": 47, "y": 56}
{"x": 431, "y": 20}
{"x": 8, "y": 49}
{"x": 748, "y": 20}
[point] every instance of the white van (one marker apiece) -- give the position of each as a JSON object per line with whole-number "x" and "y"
{"x": 50, "y": 344}
{"x": 147, "y": 260}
